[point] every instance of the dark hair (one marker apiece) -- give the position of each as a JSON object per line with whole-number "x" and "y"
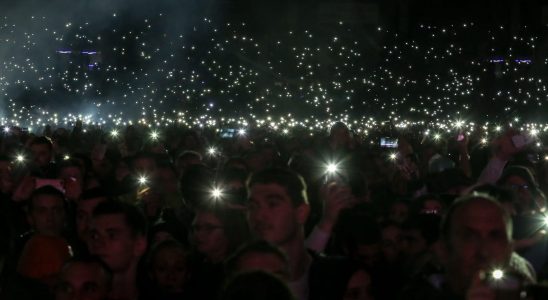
{"x": 256, "y": 285}
{"x": 46, "y": 190}
{"x": 142, "y": 155}
{"x": 257, "y": 246}
{"x": 234, "y": 223}
{"x": 446, "y": 222}
{"x": 293, "y": 183}
{"x": 166, "y": 244}
{"x": 96, "y": 192}
{"x": 133, "y": 217}
{"x": 189, "y": 154}
{"x": 42, "y": 140}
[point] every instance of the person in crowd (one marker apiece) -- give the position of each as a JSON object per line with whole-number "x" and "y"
{"x": 168, "y": 270}
{"x": 41, "y": 149}
{"x": 277, "y": 211}
{"x": 256, "y": 285}
{"x": 476, "y": 236}
{"x": 217, "y": 231}
{"x": 84, "y": 278}
{"x": 118, "y": 237}
{"x": 258, "y": 255}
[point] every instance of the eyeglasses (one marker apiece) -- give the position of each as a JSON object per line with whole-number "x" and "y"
{"x": 520, "y": 187}
{"x": 206, "y": 228}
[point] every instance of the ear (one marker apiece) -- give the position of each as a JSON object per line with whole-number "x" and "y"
{"x": 303, "y": 211}
{"x": 140, "y": 246}
{"x": 441, "y": 249}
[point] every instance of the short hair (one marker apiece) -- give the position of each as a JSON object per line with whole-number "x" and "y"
{"x": 293, "y": 183}
{"x": 256, "y": 285}
{"x": 234, "y": 222}
{"x": 42, "y": 140}
{"x": 133, "y": 217}
{"x": 45, "y": 190}
{"x": 446, "y": 222}
{"x": 257, "y": 246}
{"x": 189, "y": 154}
{"x": 92, "y": 259}
{"x": 166, "y": 244}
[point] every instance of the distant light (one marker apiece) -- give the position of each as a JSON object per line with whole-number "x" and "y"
{"x": 114, "y": 133}
{"x": 216, "y": 193}
{"x": 154, "y": 135}
{"x": 66, "y": 157}
{"x": 20, "y": 158}
{"x": 393, "y": 156}
{"x": 497, "y": 274}
{"x": 6, "y": 129}
{"x": 332, "y": 168}
{"x": 241, "y": 132}
{"x": 212, "y": 151}
{"x": 142, "y": 180}
{"x": 437, "y": 136}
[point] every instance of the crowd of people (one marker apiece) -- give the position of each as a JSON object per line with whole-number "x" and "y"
{"x": 188, "y": 214}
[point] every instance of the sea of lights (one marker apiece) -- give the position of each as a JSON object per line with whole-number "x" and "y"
{"x": 223, "y": 76}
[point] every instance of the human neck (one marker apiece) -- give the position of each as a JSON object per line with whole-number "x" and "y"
{"x": 124, "y": 285}
{"x": 298, "y": 257}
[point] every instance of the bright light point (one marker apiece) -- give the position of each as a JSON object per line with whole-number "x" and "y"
{"x": 6, "y": 129}
{"x": 332, "y": 168}
{"x": 534, "y": 132}
{"x": 212, "y": 151}
{"x": 484, "y": 141}
{"x": 154, "y": 135}
{"x": 459, "y": 123}
{"x": 66, "y": 157}
{"x": 497, "y": 274}
{"x": 241, "y": 132}
{"x": 437, "y": 136}
{"x": 216, "y": 193}
{"x": 143, "y": 179}
{"x": 20, "y": 158}
{"x": 114, "y": 133}
{"x": 393, "y": 156}
{"x": 497, "y": 129}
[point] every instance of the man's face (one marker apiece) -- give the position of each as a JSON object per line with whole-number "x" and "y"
{"x": 84, "y": 212}
{"x": 113, "y": 241}
{"x": 82, "y": 281}
{"x": 267, "y": 262}
{"x": 272, "y": 216}
{"x": 47, "y": 214}
{"x": 41, "y": 154}
{"x": 478, "y": 241}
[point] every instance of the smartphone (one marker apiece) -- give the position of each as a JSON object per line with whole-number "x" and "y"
{"x": 228, "y": 133}
{"x": 520, "y": 141}
{"x": 387, "y": 142}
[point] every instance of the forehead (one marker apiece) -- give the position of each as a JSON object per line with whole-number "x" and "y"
{"x": 47, "y": 200}
{"x": 110, "y": 221}
{"x": 206, "y": 217}
{"x": 479, "y": 214}
{"x": 82, "y": 272}
{"x": 261, "y": 190}
{"x": 39, "y": 147}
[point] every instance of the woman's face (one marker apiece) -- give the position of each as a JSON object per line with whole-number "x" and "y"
{"x": 208, "y": 235}
{"x": 523, "y": 192}
{"x": 169, "y": 269}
